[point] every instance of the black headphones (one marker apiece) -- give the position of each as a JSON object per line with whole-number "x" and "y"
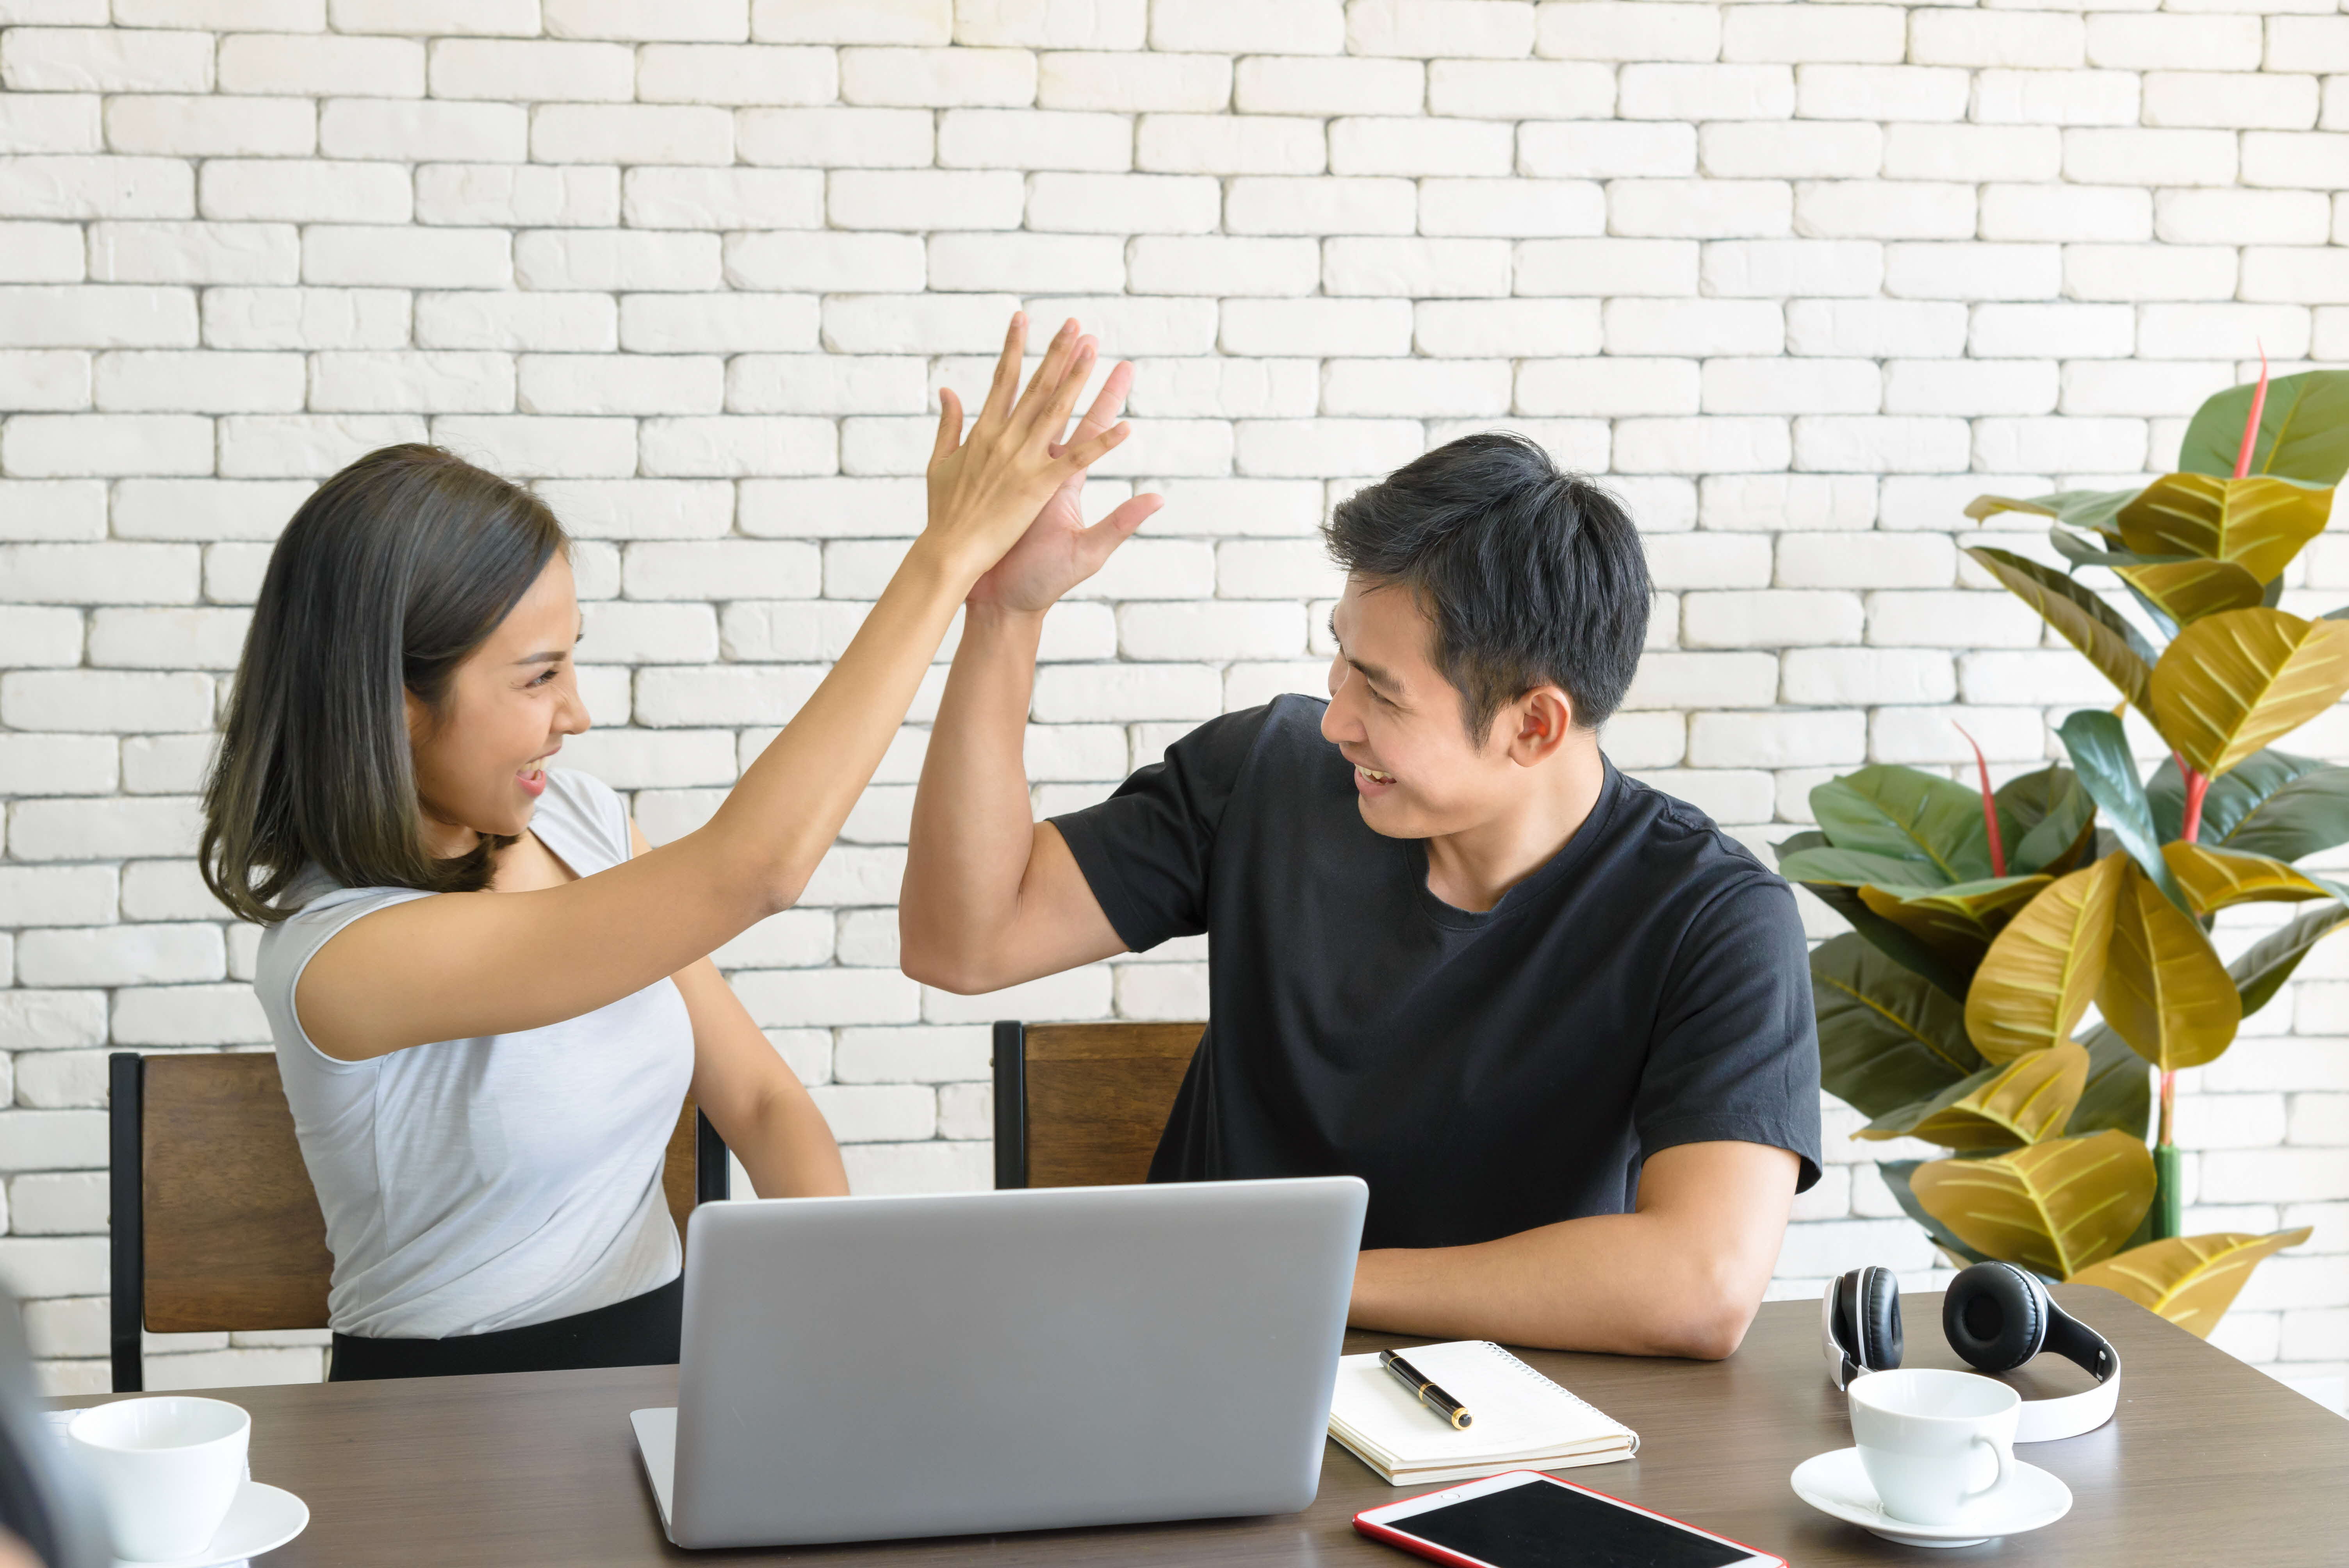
{"x": 1996, "y": 1318}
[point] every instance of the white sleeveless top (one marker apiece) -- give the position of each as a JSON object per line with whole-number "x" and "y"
{"x": 489, "y": 1183}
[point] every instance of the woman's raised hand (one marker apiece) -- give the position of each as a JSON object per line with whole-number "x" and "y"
{"x": 984, "y": 490}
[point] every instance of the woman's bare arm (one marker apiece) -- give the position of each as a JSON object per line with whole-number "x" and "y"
{"x": 462, "y": 964}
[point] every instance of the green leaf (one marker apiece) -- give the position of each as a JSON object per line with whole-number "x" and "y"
{"x": 2306, "y": 813}
{"x": 2041, "y": 817}
{"x": 2120, "y": 1093}
{"x": 1848, "y": 867}
{"x": 2268, "y": 962}
{"x": 1949, "y": 976}
{"x": 1886, "y": 1036}
{"x": 1808, "y": 839}
{"x": 2100, "y": 755}
{"x": 2237, "y": 795}
{"x": 2080, "y": 508}
{"x": 1922, "y": 817}
{"x": 2303, "y": 430}
{"x": 1897, "y": 1175}
{"x": 2118, "y": 649}
{"x": 2080, "y": 551}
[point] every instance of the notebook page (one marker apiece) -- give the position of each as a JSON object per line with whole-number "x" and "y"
{"x": 1518, "y": 1411}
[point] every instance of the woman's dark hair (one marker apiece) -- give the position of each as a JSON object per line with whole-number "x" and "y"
{"x": 1531, "y": 575}
{"x": 392, "y": 573}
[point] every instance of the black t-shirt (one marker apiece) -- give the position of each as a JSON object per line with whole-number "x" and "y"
{"x": 1486, "y": 1073}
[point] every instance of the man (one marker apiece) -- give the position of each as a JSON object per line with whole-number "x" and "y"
{"x": 1558, "y": 1021}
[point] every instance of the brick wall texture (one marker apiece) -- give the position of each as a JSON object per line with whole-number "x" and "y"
{"x": 1798, "y": 278}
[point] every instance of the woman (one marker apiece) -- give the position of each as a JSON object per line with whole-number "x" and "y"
{"x": 488, "y": 994}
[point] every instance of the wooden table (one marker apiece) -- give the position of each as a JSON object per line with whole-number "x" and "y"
{"x": 2206, "y": 1462}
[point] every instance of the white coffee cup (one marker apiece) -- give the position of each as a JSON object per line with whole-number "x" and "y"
{"x": 1927, "y": 1440}
{"x": 167, "y": 1470}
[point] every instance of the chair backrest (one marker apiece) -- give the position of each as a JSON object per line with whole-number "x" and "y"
{"x": 1082, "y": 1105}
{"x": 215, "y": 1224}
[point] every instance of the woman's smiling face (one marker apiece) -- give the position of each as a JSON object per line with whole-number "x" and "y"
{"x": 480, "y": 759}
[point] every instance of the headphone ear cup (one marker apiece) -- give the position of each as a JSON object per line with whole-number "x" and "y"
{"x": 1995, "y": 1316}
{"x": 1879, "y": 1311}
{"x": 1844, "y": 1317}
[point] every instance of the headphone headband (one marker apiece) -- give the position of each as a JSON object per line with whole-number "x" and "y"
{"x": 1996, "y": 1316}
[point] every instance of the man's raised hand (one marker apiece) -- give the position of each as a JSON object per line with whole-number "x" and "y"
{"x": 986, "y": 488}
{"x": 1059, "y": 551}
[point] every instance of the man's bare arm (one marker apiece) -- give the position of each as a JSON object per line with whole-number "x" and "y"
{"x": 991, "y": 896}
{"x": 1681, "y": 1276}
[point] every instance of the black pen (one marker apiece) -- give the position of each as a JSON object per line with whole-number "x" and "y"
{"x": 1425, "y": 1392}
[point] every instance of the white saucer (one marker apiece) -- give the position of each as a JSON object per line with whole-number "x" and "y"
{"x": 1837, "y": 1483}
{"x": 262, "y": 1518}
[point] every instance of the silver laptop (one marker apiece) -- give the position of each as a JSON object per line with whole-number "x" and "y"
{"x": 861, "y": 1368}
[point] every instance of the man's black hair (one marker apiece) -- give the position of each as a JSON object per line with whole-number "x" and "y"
{"x": 1533, "y": 576}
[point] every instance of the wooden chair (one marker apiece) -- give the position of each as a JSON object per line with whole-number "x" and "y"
{"x": 215, "y": 1224}
{"x": 1082, "y": 1105}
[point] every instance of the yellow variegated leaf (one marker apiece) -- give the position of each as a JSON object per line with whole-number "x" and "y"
{"x": 1959, "y": 920}
{"x": 2215, "y": 879}
{"x": 2043, "y": 970}
{"x": 2164, "y": 991}
{"x": 2189, "y": 590}
{"x": 2054, "y": 1207}
{"x": 2230, "y": 682}
{"x": 2189, "y": 1280}
{"x": 2019, "y": 1103}
{"x": 1984, "y": 506}
{"x": 2258, "y": 523}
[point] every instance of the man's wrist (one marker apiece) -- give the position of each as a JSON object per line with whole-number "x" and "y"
{"x": 990, "y": 616}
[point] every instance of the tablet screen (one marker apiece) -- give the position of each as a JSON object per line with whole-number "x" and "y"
{"x": 1538, "y": 1525}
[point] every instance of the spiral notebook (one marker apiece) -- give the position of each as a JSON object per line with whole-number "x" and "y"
{"x": 1523, "y": 1420}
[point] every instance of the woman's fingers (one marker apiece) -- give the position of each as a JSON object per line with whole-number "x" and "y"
{"x": 949, "y": 424}
{"x": 1053, "y": 418}
{"x": 1001, "y": 391}
{"x": 1048, "y": 376}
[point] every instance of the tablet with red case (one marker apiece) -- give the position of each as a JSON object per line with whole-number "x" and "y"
{"x": 1524, "y": 1519}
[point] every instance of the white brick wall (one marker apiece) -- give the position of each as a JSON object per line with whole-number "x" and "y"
{"x": 1800, "y": 278}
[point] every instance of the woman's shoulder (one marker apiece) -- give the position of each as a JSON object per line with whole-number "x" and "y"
{"x": 580, "y": 807}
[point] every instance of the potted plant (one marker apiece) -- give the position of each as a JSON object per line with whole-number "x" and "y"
{"x": 1985, "y": 922}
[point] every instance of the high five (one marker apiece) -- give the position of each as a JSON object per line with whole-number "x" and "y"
{"x": 488, "y": 994}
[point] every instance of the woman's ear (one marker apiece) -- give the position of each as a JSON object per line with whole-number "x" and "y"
{"x": 420, "y": 716}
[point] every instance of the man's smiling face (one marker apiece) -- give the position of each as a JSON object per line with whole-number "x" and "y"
{"x": 1402, "y": 724}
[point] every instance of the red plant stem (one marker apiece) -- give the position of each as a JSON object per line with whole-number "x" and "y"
{"x": 2169, "y": 1099}
{"x": 1990, "y": 806}
{"x": 2252, "y": 425}
{"x": 2197, "y": 786}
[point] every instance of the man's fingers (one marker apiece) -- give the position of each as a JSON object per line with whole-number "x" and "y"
{"x": 1048, "y": 374}
{"x": 1001, "y": 391}
{"x": 1082, "y": 454}
{"x": 1104, "y": 412}
{"x": 1119, "y": 525}
{"x": 949, "y": 424}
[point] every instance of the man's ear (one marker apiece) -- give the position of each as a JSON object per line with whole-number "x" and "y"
{"x": 1544, "y": 717}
